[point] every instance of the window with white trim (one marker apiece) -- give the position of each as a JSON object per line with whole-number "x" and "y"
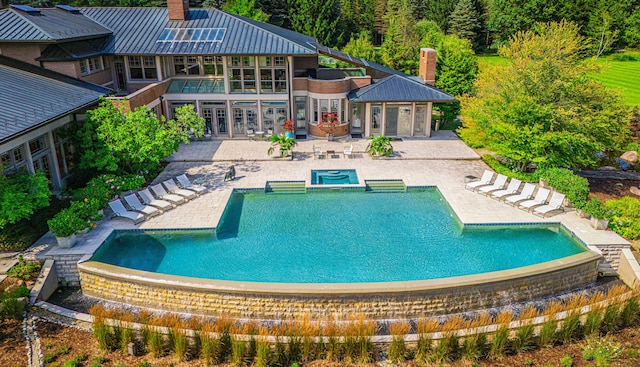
{"x": 243, "y": 74}
{"x": 213, "y": 65}
{"x": 91, "y": 65}
{"x": 273, "y": 74}
{"x": 186, "y": 65}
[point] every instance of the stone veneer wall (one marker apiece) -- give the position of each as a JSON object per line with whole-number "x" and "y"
{"x": 612, "y": 253}
{"x": 66, "y": 267}
{"x": 205, "y": 298}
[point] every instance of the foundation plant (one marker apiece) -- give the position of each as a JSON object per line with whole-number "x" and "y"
{"x": 350, "y": 339}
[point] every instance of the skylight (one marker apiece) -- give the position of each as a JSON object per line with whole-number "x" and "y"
{"x": 192, "y": 35}
{"x": 26, "y": 8}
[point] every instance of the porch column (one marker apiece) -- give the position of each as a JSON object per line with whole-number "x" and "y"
{"x": 428, "y": 123}
{"x": 54, "y": 170}
{"x": 29, "y": 158}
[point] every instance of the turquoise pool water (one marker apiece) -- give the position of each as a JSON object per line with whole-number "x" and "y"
{"x": 333, "y": 177}
{"x": 337, "y": 237}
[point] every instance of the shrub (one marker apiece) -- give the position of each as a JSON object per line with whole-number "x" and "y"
{"x": 625, "y": 216}
{"x": 600, "y": 351}
{"x": 624, "y": 57}
{"x": 263, "y": 350}
{"x": 25, "y": 270}
{"x": 423, "y": 349}
{"x": 629, "y": 313}
{"x": 209, "y": 344}
{"x": 611, "y": 318}
{"x": 570, "y": 328}
{"x": 491, "y": 160}
{"x": 66, "y": 223}
{"x": 379, "y": 146}
{"x": 592, "y": 322}
{"x": 575, "y": 188}
{"x": 597, "y": 209}
{"x": 12, "y": 308}
{"x": 566, "y": 361}
{"x": 21, "y": 195}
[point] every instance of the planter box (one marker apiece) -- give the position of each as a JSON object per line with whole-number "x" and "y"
{"x": 582, "y": 214}
{"x": 67, "y": 242}
{"x": 599, "y": 224}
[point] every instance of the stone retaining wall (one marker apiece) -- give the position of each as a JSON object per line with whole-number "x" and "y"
{"x": 612, "y": 253}
{"x": 375, "y": 300}
{"x": 66, "y": 267}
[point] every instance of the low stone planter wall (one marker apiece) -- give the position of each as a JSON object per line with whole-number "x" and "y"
{"x": 376, "y": 301}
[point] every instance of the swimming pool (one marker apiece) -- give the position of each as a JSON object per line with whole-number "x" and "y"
{"x": 343, "y": 237}
{"x": 334, "y": 177}
{"x": 321, "y": 254}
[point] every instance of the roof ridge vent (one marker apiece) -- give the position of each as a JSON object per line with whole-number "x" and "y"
{"x": 68, "y": 8}
{"x": 25, "y": 8}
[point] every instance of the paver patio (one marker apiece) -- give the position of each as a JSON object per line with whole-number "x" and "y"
{"x": 442, "y": 161}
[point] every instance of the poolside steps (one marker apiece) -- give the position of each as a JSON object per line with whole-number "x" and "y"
{"x": 385, "y": 186}
{"x": 285, "y": 187}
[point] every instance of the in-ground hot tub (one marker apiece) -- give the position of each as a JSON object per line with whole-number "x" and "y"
{"x": 384, "y": 255}
{"x": 334, "y": 177}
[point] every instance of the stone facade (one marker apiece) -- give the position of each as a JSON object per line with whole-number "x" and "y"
{"x": 66, "y": 267}
{"x": 377, "y": 301}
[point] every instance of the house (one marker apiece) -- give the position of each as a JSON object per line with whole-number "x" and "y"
{"x": 240, "y": 74}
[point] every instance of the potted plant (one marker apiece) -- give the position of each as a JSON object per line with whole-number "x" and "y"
{"x": 288, "y": 128}
{"x": 65, "y": 225}
{"x": 599, "y": 213}
{"x": 329, "y": 123}
{"x": 379, "y": 146}
{"x": 284, "y": 144}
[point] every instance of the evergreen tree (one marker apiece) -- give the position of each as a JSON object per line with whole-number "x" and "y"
{"x": 357, "y": 16}
{"x": 463, "y": 21}
{"x": 317, "y": 18}
{"x": 279, "y": 12}
{"x": 400, "y": 46}
{"x": 362, "y": 47}
{"x": 246, "y": 8}
{"x": 439, "y": 11}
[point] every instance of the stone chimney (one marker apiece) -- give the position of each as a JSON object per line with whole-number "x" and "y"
{"x": 427, "y": 68}
{"x": 178, "y": 9}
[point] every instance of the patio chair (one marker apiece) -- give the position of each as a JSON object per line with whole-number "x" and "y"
{"x": 136, "y": 205}
{"x": 148, "y": 199}
{"x": 484, "y": 181}
{"x": 183, "y": 180}
{"x": 171, "y": 186}
{"x": 317, "y": 152}
{"x": 251, "y": 134}
{"x": 348, "y": 151}
{"x": 512, "y": 189}
{"x": 525, "y": 194}
{"x": 555, "y": 205}
{"x": 161, "y": 193}
{"x": 120, "y": 211}
{"x": 498, "y": 184}
{"x": 541, "y": 198}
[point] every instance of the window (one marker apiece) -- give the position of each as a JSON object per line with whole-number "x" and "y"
{"x": 186, "y": 65}
{"x": 143, "y": 68}
{"x": 213, "y": 65}
{"x": 301, "y": 113}
{"x": 37, "y": 144}
{"x": 421, "y": 114}
{"x": 91, "y": 65}
{"x": 273, "y": 74}
{"x": 243, "y": 74}
{"x": 356, "y": 115}
{"x": 13, "y": 160}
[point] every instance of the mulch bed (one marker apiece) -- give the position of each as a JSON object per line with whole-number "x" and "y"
{"x": 607, "y": 188}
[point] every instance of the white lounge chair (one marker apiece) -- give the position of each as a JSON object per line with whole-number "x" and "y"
{"x": 120, "y": 211}
{"x": 138, "y": 206}
{"x": 148, "y": 199}
{"x": 525, "y": 194}
{"x": 251, "y": 134}
{"x": 541, "y": 198}
{"x": 484, "y": 181}
{"x": 555, "y": 204}
{"x": 348, "y": 151}
{"x": 317, "y": 152}
{"x": 512, "y": 189}
{"x": 161, "y": 193}
{"x": 171, "y": 186}
{"x": 498, "y": 184}
{"x": 184, "y": 181}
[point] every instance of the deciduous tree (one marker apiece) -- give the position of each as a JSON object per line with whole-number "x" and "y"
{"x": 543, "y": 107}
{"x": 111, "y": 140}
{"x": 21, "y": 194}
{"x": 246, "y": 8}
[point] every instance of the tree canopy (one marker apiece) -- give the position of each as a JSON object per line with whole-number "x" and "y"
{"x": 21, "y": 194}
{"x": 543, "y": 107}
{"x": 111, "y": 140}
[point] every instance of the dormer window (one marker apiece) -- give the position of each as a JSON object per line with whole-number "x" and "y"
{"x": 91, "y": 65}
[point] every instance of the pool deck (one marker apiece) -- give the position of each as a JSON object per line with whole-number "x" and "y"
{"x": 441, "y": 161}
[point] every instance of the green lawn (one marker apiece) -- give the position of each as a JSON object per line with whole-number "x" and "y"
{"x": 623, "y": 76}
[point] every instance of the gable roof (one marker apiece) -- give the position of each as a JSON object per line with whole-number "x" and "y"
{"x": 242, "y": 36}
{"x": 36, "y": 96}
{"x": 47, "y": 25}
{"x": 397, "y": 88}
